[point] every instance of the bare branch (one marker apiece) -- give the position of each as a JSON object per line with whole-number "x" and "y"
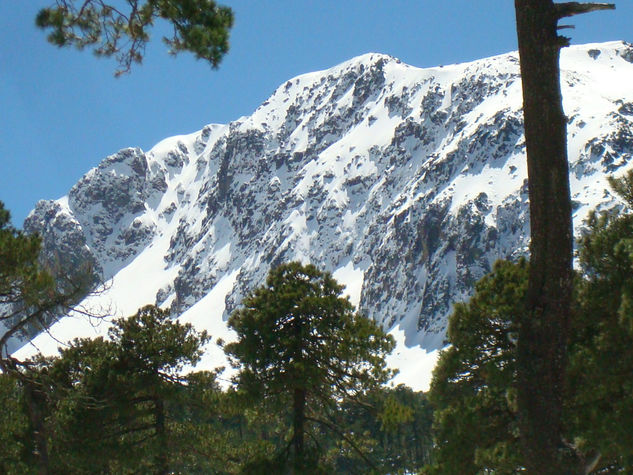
{"x": 577, "y": 8}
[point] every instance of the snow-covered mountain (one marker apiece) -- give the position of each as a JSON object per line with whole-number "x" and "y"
{"x": 406, "y": 183}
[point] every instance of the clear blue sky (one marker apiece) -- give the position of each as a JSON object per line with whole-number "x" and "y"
{"x": 62, "y": 111}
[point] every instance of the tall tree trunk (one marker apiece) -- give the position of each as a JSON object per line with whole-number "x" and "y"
{"x": 543, "y": 334}
{"x": 34, "y": 405}
{"x": 298, "y": 429}
{"x": 162, "y": 456}
{"x": 299, "y": 398}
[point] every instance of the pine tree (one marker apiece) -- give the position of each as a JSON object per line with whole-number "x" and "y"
{"x": 30, "y": 301}
{"x": 474, "y": 384}
{"x": 302, "y": 349}
{"x": 394, "y": 424}
{"x": 111, "y": 400}
{"x": 601, "y": 350}
{"x": 25, "y": 288}
{"x": 15, "y": 448}
{"x": 121, "y": 29}
{"x": 31, "y": 296}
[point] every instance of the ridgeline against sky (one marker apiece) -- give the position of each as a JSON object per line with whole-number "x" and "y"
{"x": 63, "y": 111}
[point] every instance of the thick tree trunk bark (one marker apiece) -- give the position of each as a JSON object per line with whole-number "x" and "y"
{"x": 298, "y": 427}
{"x": 162, "y": 457}
{"x": 34, "y": 405}
{"x": 299, "y": 399}
{"x": 543, "y": 333}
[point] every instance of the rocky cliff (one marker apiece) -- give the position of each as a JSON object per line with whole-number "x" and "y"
{"x": 406, "y": 183}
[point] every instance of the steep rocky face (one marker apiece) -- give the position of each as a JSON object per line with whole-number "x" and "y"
{"x": 102, "y": 219}
{"x": 406, "y": 183}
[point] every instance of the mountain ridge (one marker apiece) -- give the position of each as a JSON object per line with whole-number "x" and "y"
{"x": 406, "y": 183}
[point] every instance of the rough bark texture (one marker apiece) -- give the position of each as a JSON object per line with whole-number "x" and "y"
{"x": 162, "y": 457}
{"x": 34, "y": 403}
{"x": 299, "y": 402}
{"x": 543, "y": 334}
{"x": 298, "y": 426}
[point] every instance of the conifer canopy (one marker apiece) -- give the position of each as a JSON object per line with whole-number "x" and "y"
{"x": 303, "y": 347}
{"x": 122, "y": 29}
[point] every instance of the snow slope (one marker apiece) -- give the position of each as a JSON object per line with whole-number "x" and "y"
{"x": 406, "y": 183}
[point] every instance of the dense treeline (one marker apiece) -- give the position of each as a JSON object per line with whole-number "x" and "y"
{"x": 309, "y": 395}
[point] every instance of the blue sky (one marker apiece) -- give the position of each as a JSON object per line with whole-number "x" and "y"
{"x": 62, "y": 111}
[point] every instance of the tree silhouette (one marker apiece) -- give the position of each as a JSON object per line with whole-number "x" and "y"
{"x": 544, "y": 331}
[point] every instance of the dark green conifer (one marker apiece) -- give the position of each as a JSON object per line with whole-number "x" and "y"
{"x": 122, "y": 29}
{"x": 30, "y": 297}
{"x": 15, "y": 444}
{"x": 302, "y": 349}
{"x": 112, "y": 398}
{"x": 474, "y": 384}
{"x": 601, "y": 353}
{"x": 27, "y": 291}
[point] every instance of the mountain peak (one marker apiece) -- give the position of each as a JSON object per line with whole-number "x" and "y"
{"x": 406, "y": 183}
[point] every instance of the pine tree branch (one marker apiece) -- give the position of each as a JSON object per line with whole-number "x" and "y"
{"x": 35, "y": 316}
{"x": 334, "y": 429}
{"x": 576, "y": 8}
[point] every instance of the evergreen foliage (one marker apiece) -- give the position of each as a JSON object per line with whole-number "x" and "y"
{"x": 30, "y": 297}
{"x": 121, "y": 404}
{"x": 25, "y": 289}
{"x": 110, "y": 400}
{"x": 473, "y": 383}
{"x": 601, "y": 356}
{"x": 393, "y": 424}
{"x": 473, "y": 389}
{"x": 303, "y": 350}
{"x": 199, "y": 26}
{"x": 15, "y": 456}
